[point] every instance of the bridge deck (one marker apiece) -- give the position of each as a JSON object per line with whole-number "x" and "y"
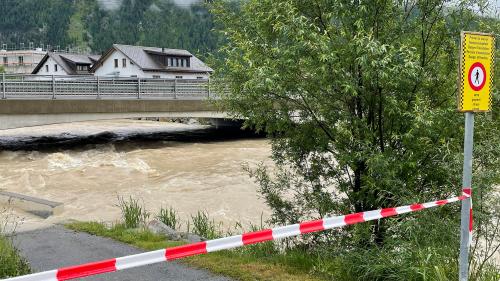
{"x": 28, "y": 100}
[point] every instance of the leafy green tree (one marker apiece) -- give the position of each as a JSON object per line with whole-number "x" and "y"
{"x": 359, "y": 98}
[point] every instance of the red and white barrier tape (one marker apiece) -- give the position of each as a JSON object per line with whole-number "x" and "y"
{"x": 468, "y": 191}
{"x": 169, "y": 254}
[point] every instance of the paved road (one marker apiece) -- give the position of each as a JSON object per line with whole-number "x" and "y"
{"x": 56, "y": 246}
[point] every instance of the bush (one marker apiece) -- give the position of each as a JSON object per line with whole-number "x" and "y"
{"x": 169, "y": 217}
{"x": 133, "y": 213}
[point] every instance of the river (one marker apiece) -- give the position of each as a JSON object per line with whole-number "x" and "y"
{"x": 87, "y": 165}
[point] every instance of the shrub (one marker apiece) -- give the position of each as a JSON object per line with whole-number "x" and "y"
{"x": 133, "y": 213}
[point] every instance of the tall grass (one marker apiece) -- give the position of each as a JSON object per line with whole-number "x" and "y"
{"x": 205, "y": 227}
{"x": 134, "y": 214}
{"x": 170, "y": 217}
{"x": 11, "y": 263}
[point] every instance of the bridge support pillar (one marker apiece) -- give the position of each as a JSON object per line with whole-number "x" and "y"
{"x": 3, "y": 86}
{"x": 175, "y": 88}
{"x": 139, "y": 88}
{"x": 53, "y": 87}
{"x": 98, "y": 88}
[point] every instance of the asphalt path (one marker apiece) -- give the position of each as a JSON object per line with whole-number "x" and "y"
{"x": 55, "y": 247}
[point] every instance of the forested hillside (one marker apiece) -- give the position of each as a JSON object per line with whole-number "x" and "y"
{"x": 87, "y": 24}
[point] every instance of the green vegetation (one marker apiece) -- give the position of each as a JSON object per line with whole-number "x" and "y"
{"x": 134, "y": 214}
{"x": 11, "y": 263}
{"x": 204, "y": 226}
{"x": 88, "y": 25}
{"x": 359, "y": 100}
{"x": 138, "y": 237}
{"x": 169, "y": 217}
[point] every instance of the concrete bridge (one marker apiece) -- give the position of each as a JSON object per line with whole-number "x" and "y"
{"x": 31, "y": 100}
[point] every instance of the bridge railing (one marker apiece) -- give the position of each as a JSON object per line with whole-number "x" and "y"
{"x": 92, "y": 87}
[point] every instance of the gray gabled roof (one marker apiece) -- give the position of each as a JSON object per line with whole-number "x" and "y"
{"x": 66, "y": 61}
{"x": 76, "y": 59}
{"x": 143, "y": 58}
{"x": 94, "y": 58}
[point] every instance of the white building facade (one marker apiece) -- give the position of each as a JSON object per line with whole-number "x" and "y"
{"x": 65, "y": 64}
{"x": 148, "y": 62}
{"x": 51, "y": 67}
{"x": 20, "y": 61}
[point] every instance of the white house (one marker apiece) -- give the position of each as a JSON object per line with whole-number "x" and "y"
{"x": 65, "y": 64}
{"x": 150, "y": 62}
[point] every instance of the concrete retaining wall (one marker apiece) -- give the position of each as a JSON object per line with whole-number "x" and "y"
{"x": 40, "y": 207}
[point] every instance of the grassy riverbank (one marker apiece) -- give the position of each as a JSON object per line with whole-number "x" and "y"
{"x": 399, "y": 260}
{"x": 257, "y": 262}
{"x": 264, "y": 262}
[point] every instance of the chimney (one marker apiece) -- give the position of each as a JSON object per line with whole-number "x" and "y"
{"x": 163, "y": 49}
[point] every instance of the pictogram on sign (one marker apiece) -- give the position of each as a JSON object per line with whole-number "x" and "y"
{"x": 476, "y": 72}
{"x": 477, "y": 76}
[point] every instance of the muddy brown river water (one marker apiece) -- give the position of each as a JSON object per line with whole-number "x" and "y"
{"x": 170, "y": 169}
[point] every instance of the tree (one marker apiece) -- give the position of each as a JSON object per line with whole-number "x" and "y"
{"x": 359, "y": 99}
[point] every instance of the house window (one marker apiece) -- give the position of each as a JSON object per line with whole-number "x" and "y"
{"x": 171, "y": 62}
{"x": 55, "y": 67}
{"x": 156, "y": 76}
{"x": 5, "y": 60}
{"x": 199, "y": 77}
{"x": 21, "y": 59}
{"x": 177, "y": 62}
{"x": 82, "y": 67}
{"x": 124, "y": 62}
{"x": 133, "y": 76}
{"x": 116, "y": 63}
{"x": 182, "y": 62}
{"x": 178, "y": 77}
{"x": 47, "y": 68}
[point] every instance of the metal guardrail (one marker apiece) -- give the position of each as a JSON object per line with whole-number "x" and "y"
{"x": 85, "y": 87}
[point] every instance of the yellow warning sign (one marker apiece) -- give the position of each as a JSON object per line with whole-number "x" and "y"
{"x": 476, "y": 72}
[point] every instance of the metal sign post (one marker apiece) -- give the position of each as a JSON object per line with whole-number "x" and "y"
{"x": 474, "y": 84}
{"x": 466, "y": 218}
